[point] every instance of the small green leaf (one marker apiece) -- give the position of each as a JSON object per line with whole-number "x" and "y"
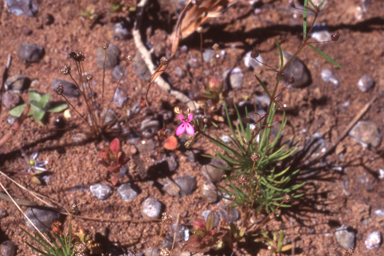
{"x": 38, "y": 115}
{"x": 281, "y": 54}
{"x": 263, "y": 85}
{"x": 55, "y": 107}
{"x": 34, "y": 96}
{"x": 305, "y": 19}
{"x": 210, "y": 221}
{"x": 325, "y": 56}
{"x": 16, "y": 111}
{"x": 44, "y": 100}
{"x": 321, "y": 5}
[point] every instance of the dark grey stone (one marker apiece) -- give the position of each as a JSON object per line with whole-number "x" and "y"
{"x": 24, "y": 8}
{"x": 296, "y": 69}
{"x": 7, "y": 248}
{"x": 17, "y": 83}
{"x": 214, "y": 173}
{"x": 9, "y": 99}
{"x": 187, "y": 184}
{"x": 70, "y": 89}
{"x": 140, "y": 67}
{"x": 149, "y": 127}
{"x": 233, "y": 214}
{"x": 42, "y": 218}
{"x": 30, "y": 52}
{"x": 111, "y": 60}
{"x": 117, "y": 72}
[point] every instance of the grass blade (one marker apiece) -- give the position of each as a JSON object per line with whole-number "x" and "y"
{"x": 325, "y": 56}
{"x": 281, "y": 54}
{"x": 305, "y": 20}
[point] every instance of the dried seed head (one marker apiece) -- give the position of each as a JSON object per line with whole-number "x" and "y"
{"x": 79, "y": 57}
{"x": 105, "y": 45}
{"x": 89, "y": 77}
{"x": 215, "y": 47}
{"x": 163, "y": 61}
{"x": 165, "y": 252}
{"x": 129, "y": 57}
{"x": 254, "y": 53}
{"x": 255, "y": 157}
{"x": 72, "y": 55}
{"x": 242, "y": 179}
{"x": 291, "y": 80}
{"x": 178, "y": 110}
{"x": 60, "y": 89}
{"x": 287, "y": 198}
{"x": 335, "y": 36}
{"x": 166, "y": 219}
{"x": 65, "y": 70}
{"x": 74, "y": 209}
{"x": 199, "y": 29}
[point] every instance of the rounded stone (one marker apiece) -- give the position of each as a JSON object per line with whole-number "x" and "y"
{"x": 373, "y": 240}
{"x": 120, "y": 97}
{"x": 296, "y": 69}
{"x": 208, "y": 54}
{"x": 30, "y": 52}
{"x": 117, "y": 72}
{"x": 187, "y": 184}
{"x": 10, "y": 99}
{"x": 25, "y": 8}
{"x": 214, "y": 173}
{"x": 208, "y": 192}
{"x": 365, "y": 83}
{"x": 126, "y": 192}
{"x": 149, "y": 127}
{"x": 151, "y": 208}
{"x": 17, "y": 83}
{"x": 7, "y": 248}
{"x": 345, "y": 236}
{"x": 235, "y": 77}
{"x": 366, "y": 132}
{"x": 252, "y": 63}
{"x": 140, "y": 67}
{"x": 233, "y": 214}
{"x": 42, "y": 218}
{"x": 101, "y": 191}
{"x": 111, "y": 60}
{"x": 70, "y": 89}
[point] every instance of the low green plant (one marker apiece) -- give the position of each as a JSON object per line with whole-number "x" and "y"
{"x": 40, "y": 105}
{"x": 64, "y": 248}
{"x": 275, "y": 243}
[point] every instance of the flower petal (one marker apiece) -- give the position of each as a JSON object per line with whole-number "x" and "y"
{"x": 39, "y": 168}
{"x": 181, "y": 129}
{"x": 190, "y": 130}
{"x": 190, "y": 117}
{"x": 181, "y": 117}
{"x": 34, "y": 155}
{"x": 41, "y": 163}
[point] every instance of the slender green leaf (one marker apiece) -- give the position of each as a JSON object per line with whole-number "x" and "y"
{"x": 34, "y": 96}
{"x": 263, "y": 85}
{"x": 325, "y": 56}
{"x": 305, "y": 19}
{"x": 281, "y": 54}
{"x": 310, "y": 1}
{"x": 55, "y": 107}
{"x": 16, "y": 111}
{"x": 44, "y": 100}
{"x": 321, "y": 5}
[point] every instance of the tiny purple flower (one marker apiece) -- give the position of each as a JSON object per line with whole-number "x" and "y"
{"x": 185, "y": 126}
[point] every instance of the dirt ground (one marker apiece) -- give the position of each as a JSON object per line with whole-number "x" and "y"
{"x": 317, "y": 108}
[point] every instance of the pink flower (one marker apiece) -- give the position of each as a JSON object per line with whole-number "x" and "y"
{"x": 185, "y": 125}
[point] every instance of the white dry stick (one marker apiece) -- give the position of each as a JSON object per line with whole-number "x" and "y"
{"x": 146, "y": 56}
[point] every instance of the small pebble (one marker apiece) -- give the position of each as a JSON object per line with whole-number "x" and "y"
{"x": 184, "y": 49}
{"x": 366, "y": 132}
{"x": 140, "y": 67}
{"x": 208, "y": 192}
{"x": 183, "y": 232}
{"x": 179, "y": 72}
{"x": 373, "y": 240}
{"x": 345, "y": 236}
{"x": 208, "y": 54}
{"x": 17, "y": 83}
{"x": 41, "y": 217}
{"x": 365, "y": 83}
{"x": 151, "y": 208}
{"x": 9, "y": 99}
{"x": 70, "y": 89}
{"x": 26, "y": 31}
{"x": 190, "y": 155}
{"x": 117, "y": 72}
{"x": 30, "y": 52}
{"x": 25, "y": 8}
{"x": 101, "y": 191}
{"x": 187, "y": 184}
{"x": 146, "y": 146}
{"x": 120, "y": 97}
{"x": 11, "y": 119}
{"x": 7, "y": 248}
{"x": 170, "y": 187}
{"x": 320, "y": 33}
{"x": 194, "y": 62}
{"x": 111, "y": 60}
{"x": 233, "y": 214}
{"x": 214, "y": 173}
{"x": 205, "y": 216}
{"x": 121, "y": 32}
{"x": 296, "y": 69}
{"x": 328, "y": 76}
{"x": 126, "y": 192}
{"x": 149, "y": 127}
{"x": 250, "y": 62}
{"x": 171, "y": 162}
{"x": 133, "y": 138}
{"x": 159, "y": 50}
{"x": 3, "y": 213}
{"x": 235, "y": 77}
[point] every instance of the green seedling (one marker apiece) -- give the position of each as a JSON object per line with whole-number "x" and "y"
{"x": 275, "y": 244}
{"x": 40, "y": 105}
